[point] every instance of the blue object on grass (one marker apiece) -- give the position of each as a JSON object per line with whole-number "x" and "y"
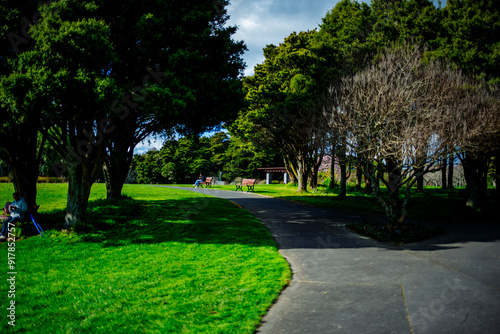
{"x": 38, "y": 227}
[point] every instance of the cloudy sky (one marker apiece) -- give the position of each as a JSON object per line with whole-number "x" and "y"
{"x": 264, "y": 22}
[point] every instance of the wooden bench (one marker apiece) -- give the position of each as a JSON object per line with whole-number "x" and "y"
{"x": 207, "y": 183}
{"x": 250, "y": 183}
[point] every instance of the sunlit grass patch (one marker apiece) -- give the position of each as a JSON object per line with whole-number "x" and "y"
{"x": 145, "y": 266}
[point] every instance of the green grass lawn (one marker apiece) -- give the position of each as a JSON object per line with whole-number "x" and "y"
{"x": 163, "y": 261}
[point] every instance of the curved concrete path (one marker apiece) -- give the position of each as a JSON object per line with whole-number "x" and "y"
{"x": 345, "y": 283}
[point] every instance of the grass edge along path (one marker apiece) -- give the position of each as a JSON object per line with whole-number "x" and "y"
{"x": 424, "y": 210}
{"x": 151, "y": 264}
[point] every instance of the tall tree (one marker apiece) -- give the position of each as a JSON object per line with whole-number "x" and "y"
{"x": 67, "y": 69}
{"x": 182, "y": 160}
{"x": 399, "y": 107}
{"x": 21, "y": 147}
{"x": 470, "y": 38}
{"x": 283, "y": 111}
{"x": 345, "y": 32}
{"x": 178, "y": 69}
{"x": 81, "y": 90}
{"x": 242, "y": 158}
{"x": 479, "y": 108}
{"x": 399, "y": 20}
{"x": 104, "y": 84}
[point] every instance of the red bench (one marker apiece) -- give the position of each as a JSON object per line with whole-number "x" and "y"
{"x": 250, "y": 183}
{"x": 207, "y": 183}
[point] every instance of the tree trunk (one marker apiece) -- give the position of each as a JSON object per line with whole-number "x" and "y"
{"x": 24, "y": 163}
{"x": 343, "y": 179}
{"x": 388, "y": 209}
{"x": 114, "y": 181}
{"x": 497, "y": 175}
{"x": 393, "y": 207}
{"x": 80, "y": 179}
{"x": 359, "y": 175}
{"x": 78, "y": 198}
{"x": 476, "y": 173}
{"x": 25, "y": 180}
{"x": 420, "y": 180}
{"x": 394, "y": 184}
{"x": 368, "y": 180}
{"x": 443, "y": 173}
{"x": 332, "y": 174}
{"x": 343, "y": 167}
{"x": 118, "y": 158}
{"x": 451, "y": 167}
{"x": 313, "y": 179}
{"x": 292, "y": 171}
{"x": 115, "y": 168}
{"x": 302, "y": 173}
{"x": 419, "y": 171}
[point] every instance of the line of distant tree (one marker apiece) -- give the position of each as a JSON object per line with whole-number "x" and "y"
{"x": 182, "y": 160}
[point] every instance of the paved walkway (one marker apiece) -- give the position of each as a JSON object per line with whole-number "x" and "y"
{"x": 345, "y": 283}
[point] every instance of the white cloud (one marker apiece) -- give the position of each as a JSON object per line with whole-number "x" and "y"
{"x": 148, "y": 144}
{"x": 264, "y": 22}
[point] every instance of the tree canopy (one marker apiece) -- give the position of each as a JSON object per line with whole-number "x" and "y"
{"x": 182, "y": 160}
{"x": 97, "y": 77}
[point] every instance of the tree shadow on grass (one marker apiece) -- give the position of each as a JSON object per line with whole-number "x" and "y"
{"x": 189, "y": 220}
{"x": 218, "y": 221}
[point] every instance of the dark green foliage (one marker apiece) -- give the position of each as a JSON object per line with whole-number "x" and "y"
{"x": 189, "y": 46}
{"x": 148, "y": 66}
{"x": 182, "y": 160}
{"x": 285, "y": 103}
{"x": 395, "y": 20}
{"x": 469, "y": 36}
{"x": 243, "y": 158}
{"x": 345, "y": 30}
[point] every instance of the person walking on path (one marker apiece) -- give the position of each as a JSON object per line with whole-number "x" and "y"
{"x": 17, "y": 209}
